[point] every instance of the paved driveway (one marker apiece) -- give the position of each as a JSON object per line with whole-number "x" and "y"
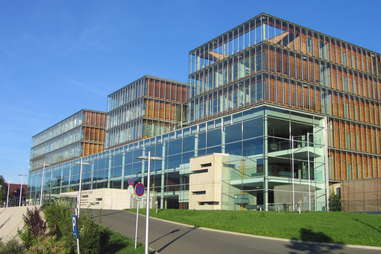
{"x": 170, "y": 238}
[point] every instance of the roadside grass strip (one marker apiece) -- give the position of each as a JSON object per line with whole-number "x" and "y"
{"x": 328, "y": 227}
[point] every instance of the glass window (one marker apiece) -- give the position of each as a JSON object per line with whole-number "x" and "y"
{"x": 86, "y": 173}
{"x": 252, "y": 146}
{"x": 116, "y": 172}
{"x": 253, "y": 128}
{"x": 202, "y": 127}
{"x": 128, "y": 170}
{"x": 216, "y": 149}
{"x": 201, "y": 152}
{"x": 116, "y": 184}
{"x": 136, "y": 168}
{"x": 201, "y": 140}
{"x": 214, "y": 138}
{"x": 156, "y": 165}
{"x": 116, "y": 160}
{"x": 234, "y": 148}
{"x": 186, "y": 157}
{"x": 128, "y": 157}
{"x": 173, "y": 161}
{"x": 188, "y": 143}
{"x": 233, "y": 133}
{"x": 136, "y": 153}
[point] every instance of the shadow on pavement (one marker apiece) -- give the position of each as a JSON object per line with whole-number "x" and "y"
{"x": 93, "y": 213}
{"x": 160, "y": 237}
{"x": 313, "y": 248}
{"x": 5, "y": 222}
{"x": 174, "y": 240}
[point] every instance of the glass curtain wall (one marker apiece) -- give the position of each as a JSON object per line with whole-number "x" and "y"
{"x": 260, "y": 158}
{"x": 287, "y": 174}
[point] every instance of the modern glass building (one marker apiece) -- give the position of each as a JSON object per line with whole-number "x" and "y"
{"x": 144, "y": 108}
{"x": 275, "y": 112}
{"x": 271, "y": 60}
{"x": 276, "y": 164}
{"x": 80, "y": 134}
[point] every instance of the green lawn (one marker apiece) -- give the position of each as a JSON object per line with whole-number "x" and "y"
{"x": 119, "y": 244}
{"x": 335, "y": 227}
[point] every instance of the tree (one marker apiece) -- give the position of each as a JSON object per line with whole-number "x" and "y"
{"x": 334, "y": 202}
{"x": 3, "y": 189}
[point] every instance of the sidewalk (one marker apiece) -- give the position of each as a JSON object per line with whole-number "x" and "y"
{"x": 11, "y": 220}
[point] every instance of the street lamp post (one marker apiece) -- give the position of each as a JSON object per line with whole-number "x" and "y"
{"x": 149, "y": 158}
{"x": 21, "y": 175}
{"x": 8, "y": 194}
{"x": 80, "y": 185}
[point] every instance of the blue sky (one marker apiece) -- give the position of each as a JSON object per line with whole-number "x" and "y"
{"x": 59, "y": 56}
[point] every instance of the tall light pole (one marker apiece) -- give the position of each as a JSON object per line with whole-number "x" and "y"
{"x": 80, "y": 184}
{"x": 149, "y": 158}
{"x": 7, "y": 191}
{"x": 42, "y": 182}
{"x": 21, "y": 175}
{"x": 8, "y": 194}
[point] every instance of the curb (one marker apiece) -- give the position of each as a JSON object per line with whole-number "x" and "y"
{"x": 365, "y": 247}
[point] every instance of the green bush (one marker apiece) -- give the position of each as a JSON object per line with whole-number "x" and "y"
{"x": 11, "y": 247}
{"x": 93, "y": 238}
{"x": 89, "y": 236}
{"x": 48, "y": 244}
{"x": 58, "y": 217}
{"x": 334, "y": 202}
{"x": 27, "y": 237}
{"x": 34, "y": 227}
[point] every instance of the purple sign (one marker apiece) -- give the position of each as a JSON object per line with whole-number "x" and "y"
{"x": 139, "y": 189}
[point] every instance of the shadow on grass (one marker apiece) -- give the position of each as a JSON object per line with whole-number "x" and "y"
{"x": 113, "y": 242}
{"x": 313, "y": 242}
{"x": 368, "y": 225}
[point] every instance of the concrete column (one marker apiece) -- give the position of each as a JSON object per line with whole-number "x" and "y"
{"x": 266, "y": 167}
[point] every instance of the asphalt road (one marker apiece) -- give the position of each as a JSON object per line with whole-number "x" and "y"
{"x": 169, "y": 238}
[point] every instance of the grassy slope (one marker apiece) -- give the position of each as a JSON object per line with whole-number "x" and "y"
{"x": 120, "y": 244}
{"x": 337, "y": 227}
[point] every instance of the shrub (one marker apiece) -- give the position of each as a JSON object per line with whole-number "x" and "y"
{"x": 11, "y": 247}
{"x": 89, "y": 236}
{"x": 48, "y": 244}
{"x": 334, "y": 202}
{"x": 27, "y": 237}
{"x": 34, "y": 227}
{"x": 58, "y": 217}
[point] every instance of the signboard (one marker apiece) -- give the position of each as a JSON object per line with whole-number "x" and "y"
{"x": 74, "y": 220}
{"x": 139, "y": 189}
